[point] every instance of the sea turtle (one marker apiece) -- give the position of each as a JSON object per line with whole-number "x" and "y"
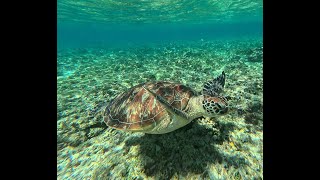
{"x": 163, "y": 106}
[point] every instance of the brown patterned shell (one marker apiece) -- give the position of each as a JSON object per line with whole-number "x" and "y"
{"x": 138, "y": 110}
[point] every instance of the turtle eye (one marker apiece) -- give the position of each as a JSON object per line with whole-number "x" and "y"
{"x": 215, "y": 105}
{"x": 223, "y": 108}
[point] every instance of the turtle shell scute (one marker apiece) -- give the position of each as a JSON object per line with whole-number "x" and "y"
{"x": 137, "y": 109}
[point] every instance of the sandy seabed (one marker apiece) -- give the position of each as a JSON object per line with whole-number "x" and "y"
{"x": 227, "y": 147}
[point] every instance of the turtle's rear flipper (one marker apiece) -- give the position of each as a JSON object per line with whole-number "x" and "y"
{"x": 215, "y": 86}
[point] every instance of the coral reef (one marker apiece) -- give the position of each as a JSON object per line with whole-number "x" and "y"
{"x": 227, "y": 147}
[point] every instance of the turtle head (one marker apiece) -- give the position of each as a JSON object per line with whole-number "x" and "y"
{"x": 215, "y": 105}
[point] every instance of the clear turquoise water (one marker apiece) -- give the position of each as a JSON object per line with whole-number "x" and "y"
{"x": 112, "y": 22}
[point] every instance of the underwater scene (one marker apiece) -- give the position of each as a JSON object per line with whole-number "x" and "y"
{"x": 159, "y": 89}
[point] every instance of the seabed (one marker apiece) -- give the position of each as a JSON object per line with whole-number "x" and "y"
{"x": 227, "y": 147}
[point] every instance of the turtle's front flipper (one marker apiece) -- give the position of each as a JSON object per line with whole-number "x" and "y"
{"x": 215, "y": 86}
{"x": 168, "y": 106}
